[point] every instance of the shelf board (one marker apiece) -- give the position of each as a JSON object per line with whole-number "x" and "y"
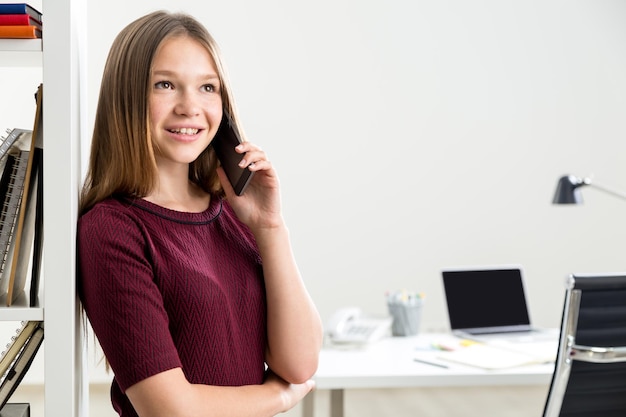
{"x": 19, "y": 310}
{"x": 21, "y": 52}
{"x": 21, "y": 45}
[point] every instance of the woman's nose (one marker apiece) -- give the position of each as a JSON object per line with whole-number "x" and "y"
{"x": 188, "y": 104}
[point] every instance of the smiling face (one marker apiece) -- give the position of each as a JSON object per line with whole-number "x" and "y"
{"x": 185, "y": 104}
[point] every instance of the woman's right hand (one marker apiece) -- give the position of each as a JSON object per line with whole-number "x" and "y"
{"x": 290, "y": 394}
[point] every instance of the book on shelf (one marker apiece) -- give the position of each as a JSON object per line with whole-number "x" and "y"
{"x": 20, "y": 32}
{"x": 38, "y": 226}
{"x": 27, "y": 342}
{"x": 38, "y": 238}
{"x": 11, "y": 190}
{"x": 21, "y": 205}
{"x": 12, "y": 136}
{"x": 19, "y": 20}
{"x": 24, "y": 239}
{"x": 20, "y": 8}
{"x": 15, "y": 410}
{"x": 24, "y": 233}
{"x": 16, "y": 344}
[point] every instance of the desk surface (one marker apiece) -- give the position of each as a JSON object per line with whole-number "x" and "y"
{"x": 389, "y": 363}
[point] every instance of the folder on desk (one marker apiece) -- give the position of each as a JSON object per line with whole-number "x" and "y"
{"x": 492, "y": 357}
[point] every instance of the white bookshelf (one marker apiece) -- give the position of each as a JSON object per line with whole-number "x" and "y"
{"x": 62, "y": 59}
{"x": 20, "y": 45}
{"x": 20, "y": 309}
{"x": 21, "y": 52}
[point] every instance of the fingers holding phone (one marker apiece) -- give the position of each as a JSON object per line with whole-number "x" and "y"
{"x": 262, "y": 181}
{"x": 239, "y": 159}
{"x": 254, "y": 158}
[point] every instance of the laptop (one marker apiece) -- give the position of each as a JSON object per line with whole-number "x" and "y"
{"x": 489, "y": 302}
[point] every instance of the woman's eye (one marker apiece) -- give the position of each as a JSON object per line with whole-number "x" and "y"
{"x": 164, "y": 85}
{"x": 209, "y": 88}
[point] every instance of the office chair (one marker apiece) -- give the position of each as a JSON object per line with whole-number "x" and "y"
{"x": 589, "y": 379}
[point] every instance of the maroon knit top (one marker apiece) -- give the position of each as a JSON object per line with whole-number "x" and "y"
{"x": 165, "y": 289}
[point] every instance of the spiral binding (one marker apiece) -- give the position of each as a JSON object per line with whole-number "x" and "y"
{"x": 14, "y": 338}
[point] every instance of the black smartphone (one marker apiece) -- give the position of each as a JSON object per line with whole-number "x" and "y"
{"x": 224, "y": 143}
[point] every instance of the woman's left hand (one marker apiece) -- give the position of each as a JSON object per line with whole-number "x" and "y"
{"x": 259, "y": 205}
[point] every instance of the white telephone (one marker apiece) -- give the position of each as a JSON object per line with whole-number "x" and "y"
{"x": 350, "y": 325}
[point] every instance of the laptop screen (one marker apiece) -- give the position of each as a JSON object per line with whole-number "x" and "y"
{"x": 485, "y": 298}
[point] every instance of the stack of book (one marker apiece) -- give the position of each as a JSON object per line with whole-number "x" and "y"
{"x": 21, "y": 210}
{"x": 19, "y": 21}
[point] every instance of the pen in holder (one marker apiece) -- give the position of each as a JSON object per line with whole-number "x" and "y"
{"x": 405, "y": 308}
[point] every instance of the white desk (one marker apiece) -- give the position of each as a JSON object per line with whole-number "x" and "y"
{"x": 390, "y": 363}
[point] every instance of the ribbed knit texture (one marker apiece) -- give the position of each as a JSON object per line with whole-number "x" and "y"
{"x": 165, "y": 289}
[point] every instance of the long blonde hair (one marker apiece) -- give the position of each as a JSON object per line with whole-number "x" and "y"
{"x": 122, "y": 160}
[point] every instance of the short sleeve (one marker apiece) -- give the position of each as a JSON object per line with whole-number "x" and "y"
{"x": 119, "y": 295}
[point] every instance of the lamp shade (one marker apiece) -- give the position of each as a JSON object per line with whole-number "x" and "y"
{"x": 568, "y": 190}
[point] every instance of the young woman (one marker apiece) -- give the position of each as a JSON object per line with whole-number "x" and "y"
{"x": 192, "y": 291}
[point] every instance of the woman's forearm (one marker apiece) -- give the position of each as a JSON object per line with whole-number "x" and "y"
{"x": 169, "y": 394}
{"x": 293, "y": 322}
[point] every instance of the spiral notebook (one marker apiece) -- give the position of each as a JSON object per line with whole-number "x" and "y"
{"x": 18, "y": 356}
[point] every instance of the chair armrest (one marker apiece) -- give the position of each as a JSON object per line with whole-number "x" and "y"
{"x": 597, "y": 354}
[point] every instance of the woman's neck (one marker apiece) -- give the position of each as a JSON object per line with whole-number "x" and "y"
{"x": 177, "y": 192}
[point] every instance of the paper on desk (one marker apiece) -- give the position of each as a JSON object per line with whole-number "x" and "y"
{"x": 488, "y": 356}
{"x": 542, "y": 350}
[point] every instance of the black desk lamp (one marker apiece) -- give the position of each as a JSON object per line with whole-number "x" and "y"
{"x": 568, "y": 190}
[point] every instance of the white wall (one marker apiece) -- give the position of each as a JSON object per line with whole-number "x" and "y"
{"x": 413, "y": 135}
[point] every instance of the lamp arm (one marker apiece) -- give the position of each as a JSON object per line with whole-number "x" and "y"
{"x": 607, "y": 190}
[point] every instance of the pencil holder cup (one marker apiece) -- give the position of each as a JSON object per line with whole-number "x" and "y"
{"x": 406, "y": 310}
